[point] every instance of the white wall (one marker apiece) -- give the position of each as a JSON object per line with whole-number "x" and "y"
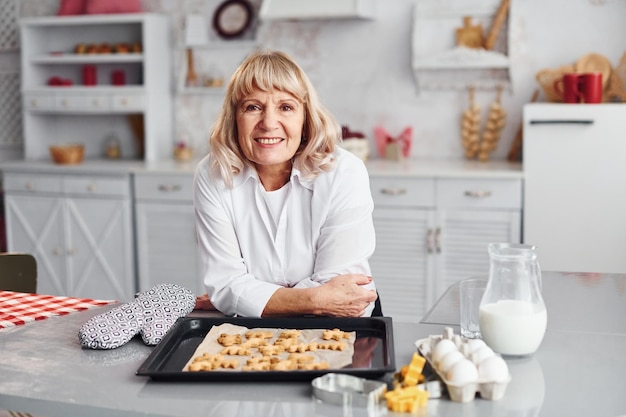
{"x": 362, "y": 69}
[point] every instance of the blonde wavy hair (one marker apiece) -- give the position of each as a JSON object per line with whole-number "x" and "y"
{"x": 273, "y": 70}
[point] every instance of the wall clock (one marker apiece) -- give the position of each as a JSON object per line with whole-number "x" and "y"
{"x": 232, "y": 18}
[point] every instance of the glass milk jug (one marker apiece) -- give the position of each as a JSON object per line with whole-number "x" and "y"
{"x": 512, "y": 314}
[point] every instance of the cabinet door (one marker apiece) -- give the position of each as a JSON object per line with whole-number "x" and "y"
{"x": 35, "y": 225}
{"x": 99, "y": 249}
{"x": 574, "y": 194}
{"x": 167, "y": 246}
{"x": 401, "y": 265}
{"x": 465, "y": 235}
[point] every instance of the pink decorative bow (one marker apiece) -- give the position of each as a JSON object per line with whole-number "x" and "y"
{"x": 383, "y": 139}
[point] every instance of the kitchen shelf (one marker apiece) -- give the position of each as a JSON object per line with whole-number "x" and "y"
{"x": 53, "y": 59}
{"x": 438, "y": 63}
{"x": 318, "y": 9}
{"x": 204, "y": 90}
{"x": 215, "y": 59}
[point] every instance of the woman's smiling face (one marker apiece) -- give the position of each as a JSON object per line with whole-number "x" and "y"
{"x": 270, "y": 125}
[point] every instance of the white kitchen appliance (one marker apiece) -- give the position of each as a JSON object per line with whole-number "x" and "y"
{"x": 575, "y": 186}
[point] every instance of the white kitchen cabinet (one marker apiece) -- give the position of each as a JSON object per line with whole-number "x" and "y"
{"x": 167, "y": 250}
{"x": 138, "y": 113}
{"x": 79, "y": 230}
{"x": 574, "y": 186}
{"x": 431, "y": 232}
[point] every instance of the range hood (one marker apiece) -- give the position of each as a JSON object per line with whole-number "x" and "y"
{"x": 316, "y": 9}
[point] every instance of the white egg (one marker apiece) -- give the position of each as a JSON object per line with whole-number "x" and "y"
{"x": 443, "y": 347}
{"x": 493, "y": 369}
{"x": 461, "y": 373}
{"x": 450, "y": 359}
{"x": 481, "y": 354}
{"x": 475, "y": 344}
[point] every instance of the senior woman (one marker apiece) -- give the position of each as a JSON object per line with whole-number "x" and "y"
{"x": 284, "y": 215}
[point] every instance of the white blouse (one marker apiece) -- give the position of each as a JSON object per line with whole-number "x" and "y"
{"x": 325, "y": 229}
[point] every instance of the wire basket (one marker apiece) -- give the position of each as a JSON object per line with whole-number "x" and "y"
{"x": 546, "y": 79}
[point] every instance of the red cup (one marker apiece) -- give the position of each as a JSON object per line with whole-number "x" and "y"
{"x": 118, "y": 77}
{"x": 591, "y": 87}
{"x": 89, "y": 75}
{"x": 568, "y": 87}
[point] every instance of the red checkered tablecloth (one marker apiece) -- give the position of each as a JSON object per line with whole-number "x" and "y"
{"x": 19, "y": 308}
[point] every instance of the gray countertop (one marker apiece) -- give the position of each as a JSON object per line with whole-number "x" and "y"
{"x": 415, "y": 168}
{"x": 578, "y": 370}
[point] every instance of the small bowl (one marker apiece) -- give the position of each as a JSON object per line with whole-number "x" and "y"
{"x": 67, "y": 154}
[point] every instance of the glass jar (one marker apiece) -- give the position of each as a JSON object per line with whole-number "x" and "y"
{"x": 512, "y": 314}
{"x": 112, "y": 148}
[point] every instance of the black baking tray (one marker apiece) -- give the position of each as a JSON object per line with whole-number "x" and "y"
{"x": 373, "y": 358}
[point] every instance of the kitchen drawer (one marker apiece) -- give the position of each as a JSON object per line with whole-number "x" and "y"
{"x": 125, "y": 102}
{"x": 402, "y": 192}
{"x": 70, "y": 102}
{"x": 97, "y": 102}
{"x": 32, "y": 183}
{"x": 97, "y": 186}
{"x": 39, "y": 101}
{"x": 164, "y": 187}
{"x": 479, "y": 193}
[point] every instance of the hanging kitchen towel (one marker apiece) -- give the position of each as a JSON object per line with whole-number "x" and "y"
{"x": 151, "y": 315}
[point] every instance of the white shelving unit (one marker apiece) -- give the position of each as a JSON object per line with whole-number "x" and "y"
{"x": 138, "y": 113}
{"x": 439, "y": 64}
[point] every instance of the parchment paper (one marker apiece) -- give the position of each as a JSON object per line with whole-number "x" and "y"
{"x": 336, "y": 359}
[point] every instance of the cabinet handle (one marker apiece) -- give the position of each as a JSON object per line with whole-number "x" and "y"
{"x": 393, "y": 191}
{"x": 96, "y": 102}
{"x": 34, "y": 103}
{"x": 91, "y": 187}
{"x": 562, "y": 122}
{"x": 124, "y": 102}
{"x": 169, "y": 188}
{"x": 478, "y": 194}
{"x": 30, "y": 186}
{"x": 64, "y": 102}
{"x": 438, "y": 240}
{"x": 71, "y": 251}
{"x": 58, "y": 251}
{"x": 429, "y": 241}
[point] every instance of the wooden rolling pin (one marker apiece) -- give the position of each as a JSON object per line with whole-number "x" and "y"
{"x": 498, "y": 21}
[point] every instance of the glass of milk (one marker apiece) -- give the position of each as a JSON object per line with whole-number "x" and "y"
{"x": 512, "y": 313}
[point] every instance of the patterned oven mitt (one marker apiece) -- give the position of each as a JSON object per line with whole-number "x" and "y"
{"x": 162, "y": 306}
{"x": 151, "y": 314}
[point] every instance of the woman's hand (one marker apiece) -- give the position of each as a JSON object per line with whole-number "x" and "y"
{"x": 344, "y": 296}
{"x": 203, "y": 302}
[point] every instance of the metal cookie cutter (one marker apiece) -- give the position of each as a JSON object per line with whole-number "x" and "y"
{"x": 348, "y": 390}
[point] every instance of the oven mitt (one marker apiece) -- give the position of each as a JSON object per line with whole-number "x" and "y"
{"x": 151, "y": 314}
{"x": 112, "y": 329}
{"x": 162, "y": 306}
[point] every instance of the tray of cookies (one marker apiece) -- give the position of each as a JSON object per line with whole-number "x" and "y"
{"x": 272, "y": 349}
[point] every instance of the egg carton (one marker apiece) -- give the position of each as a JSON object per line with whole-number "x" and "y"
{"x": 488, "y": 389}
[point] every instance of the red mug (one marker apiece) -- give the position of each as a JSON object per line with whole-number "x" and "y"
{"x": 590, "y": 87}
{"x": 90, "y": 76}
{"x": 118, "y": 77}
{"x": 568, "y": 87}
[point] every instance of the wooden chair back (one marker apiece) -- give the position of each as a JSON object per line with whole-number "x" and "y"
{"x": 18, "y": 272}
